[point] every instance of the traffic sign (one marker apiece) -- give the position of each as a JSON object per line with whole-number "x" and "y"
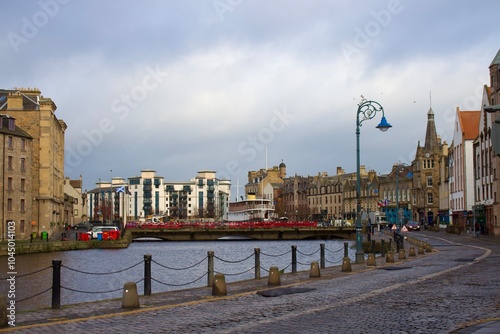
{"x": 394, "y": 227}
{"x": 404, "y": 229}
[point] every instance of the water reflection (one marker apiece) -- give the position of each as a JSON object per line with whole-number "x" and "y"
{"x": 96, "y": 274}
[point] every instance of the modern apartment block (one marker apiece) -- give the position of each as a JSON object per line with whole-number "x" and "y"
{"x": 149, "y": 195}
{"x": 35, "y": 115}
{"x": 15, "y": 180}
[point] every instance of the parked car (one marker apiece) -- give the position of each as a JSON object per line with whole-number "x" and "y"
{"x": 413, "y": 226}
{"x": 99, "y": 229}
{"x": 82, "y": 226}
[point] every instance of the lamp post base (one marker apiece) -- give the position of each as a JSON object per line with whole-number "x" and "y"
{"x": 360, "y": 257}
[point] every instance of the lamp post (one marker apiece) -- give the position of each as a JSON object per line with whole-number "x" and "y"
{"x": 368, "y": 109}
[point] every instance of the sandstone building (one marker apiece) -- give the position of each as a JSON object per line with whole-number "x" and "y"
{"x": 35, "y": 115}
{"x": 15, "y": 180}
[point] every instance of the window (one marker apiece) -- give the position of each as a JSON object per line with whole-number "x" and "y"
{"x": 21, "y": 228}
{"x": 10, "y": 142}
{"x": 23, "y": 207}
{"x": 12, "y": 124}
{"x": 23, "y": 144}
{"x": 9, "y": 162}
{"x": 429, "y": 181}
{"x": 23, "y": 165}
{"x": 430, "y": 199}
{"x": 23, "y": 185}
{"x": 9, "y": 204}
{"x": 9, "y": 183}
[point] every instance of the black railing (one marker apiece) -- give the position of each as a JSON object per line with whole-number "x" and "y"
{"x": 58, "y": 269}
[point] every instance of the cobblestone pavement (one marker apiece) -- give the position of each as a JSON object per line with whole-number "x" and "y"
{"x": 454, "y": 289}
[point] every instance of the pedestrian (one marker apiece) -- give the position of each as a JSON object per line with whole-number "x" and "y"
{"x": 381, "y": 228}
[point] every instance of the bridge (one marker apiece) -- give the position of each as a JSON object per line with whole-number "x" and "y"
{"x": 222, "y": 233}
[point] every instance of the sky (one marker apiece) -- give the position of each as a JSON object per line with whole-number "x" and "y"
{"x": 239, "y": 85}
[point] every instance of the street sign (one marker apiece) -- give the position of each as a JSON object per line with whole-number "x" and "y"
{"x": 404, "y": 229}
{"x": 394, "y": 227}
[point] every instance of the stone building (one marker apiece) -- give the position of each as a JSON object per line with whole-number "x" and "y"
{"x": 267, "y": 183}
{"x": 16, "y": 181}
{"x": 35, "y": 115}
{"x": 75, "y": 200}
{"x": 396, "y": 193}
{"x": 294, "y": 198}
{"x": 349, "y": 205}
{"x": 426, "y": 168}
{"x": 487, "y": 156}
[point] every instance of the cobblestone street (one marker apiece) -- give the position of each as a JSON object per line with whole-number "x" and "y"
{"x": 455, "y": 286}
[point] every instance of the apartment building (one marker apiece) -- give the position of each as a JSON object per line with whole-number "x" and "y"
{"x": 486, "y": 149}
{"x": 461, "y": 167}
{"x": 35, "y": 115}
{"x": 294, "y": 198}
{"x": 16, "y": 181}
{"x": 75, "y": 208}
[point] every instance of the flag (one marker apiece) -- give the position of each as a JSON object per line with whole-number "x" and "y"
{"x": 120, "y": 189}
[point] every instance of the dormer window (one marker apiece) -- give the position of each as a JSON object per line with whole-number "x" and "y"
{"x": 12, "y": 124}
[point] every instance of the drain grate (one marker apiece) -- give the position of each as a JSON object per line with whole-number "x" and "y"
{"x": 394, "y": 268}
{"x": 464, "y": 260}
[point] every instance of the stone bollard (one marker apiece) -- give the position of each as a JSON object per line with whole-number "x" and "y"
{"x": 346, "y": 264}
{"x": 421, "y": 250}
{"x": 130, "y": 297}
{"x": 389, "y": 258}
{"x": 428, "y": 248}
{"x": 4, "y": 322}
{"x": 219, "y": 287}
{"x": 411, "y": 252}
{"x": 274, "y": 276}
{"x": 314, "y": 272}
{"x": 371, "y": 260}
{"x": 402, "y": 254}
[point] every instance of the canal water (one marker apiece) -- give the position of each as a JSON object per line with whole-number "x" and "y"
{"x": 97, "y": 274}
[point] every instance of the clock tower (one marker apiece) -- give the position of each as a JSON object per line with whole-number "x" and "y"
{"x": 427, "y": 170}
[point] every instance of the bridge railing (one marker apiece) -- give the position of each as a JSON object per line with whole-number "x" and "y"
{"x": 231, "y": 225}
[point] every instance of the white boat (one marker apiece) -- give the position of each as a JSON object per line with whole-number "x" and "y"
{"x": 251, "y": 209}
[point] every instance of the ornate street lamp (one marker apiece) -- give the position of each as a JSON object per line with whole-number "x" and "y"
{"x": 368, "y": 109}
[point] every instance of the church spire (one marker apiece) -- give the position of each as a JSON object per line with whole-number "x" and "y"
{"x": 431, "y": 138}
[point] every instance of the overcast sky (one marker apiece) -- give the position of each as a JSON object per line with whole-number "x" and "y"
{"x": 183, "y": 86}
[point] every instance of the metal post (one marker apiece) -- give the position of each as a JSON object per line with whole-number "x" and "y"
{"x": 382, "y": 246}
{"x": 398, "y": 223}
{"x": 346, "y": 249}
{"x": 360, "y": 256}
{"x": 147, "y": 275}
{"x": 210, "y": 255}
{"x": 369, "y": 109}
{"x": 257, "y": 262}
{"x": 322, "y": 256}
{"x": 294, "y": 259}
{"x": 56, "y": 284}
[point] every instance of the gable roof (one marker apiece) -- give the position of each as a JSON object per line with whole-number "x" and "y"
{"x": 469, "y": 123}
